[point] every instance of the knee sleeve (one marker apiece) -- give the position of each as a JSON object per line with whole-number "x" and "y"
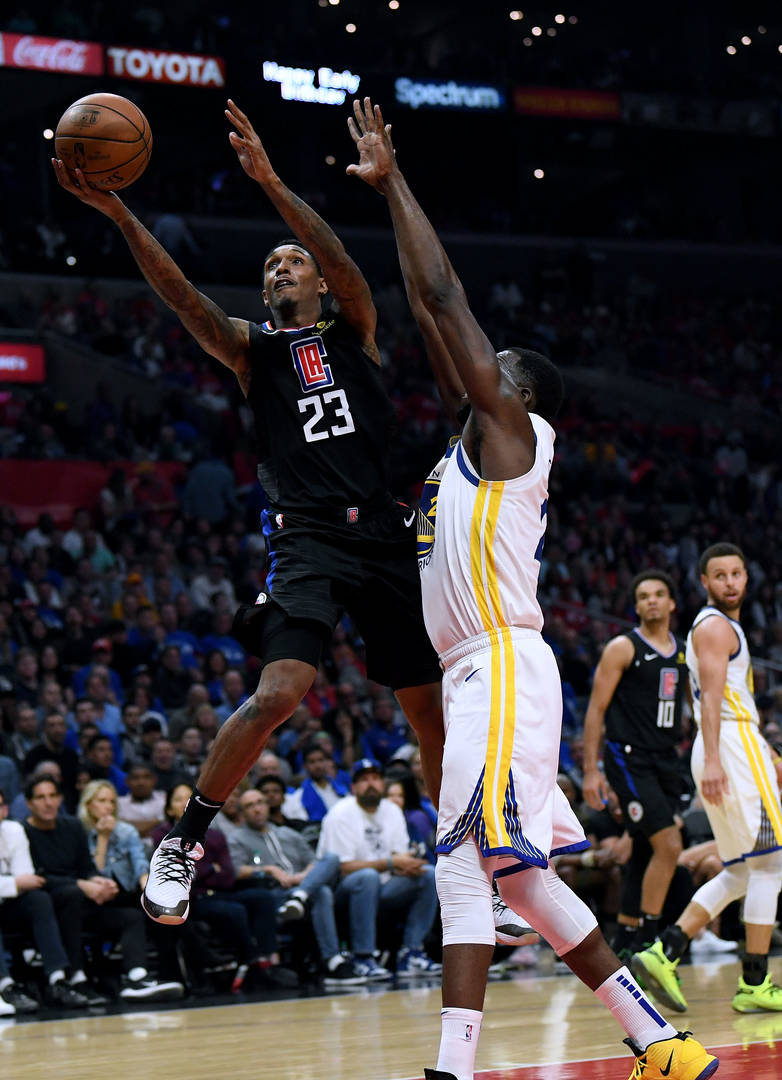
{"x": 729, "y": 885}
{"x": 549, "y": 906}
{"x": 763, "y": 887}
{"x": 464, "y": 889}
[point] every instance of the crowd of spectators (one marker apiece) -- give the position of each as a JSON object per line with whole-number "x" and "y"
{"x": 117, "y": 663}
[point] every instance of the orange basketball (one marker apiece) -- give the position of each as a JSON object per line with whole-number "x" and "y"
{"x": 107, "y": 137}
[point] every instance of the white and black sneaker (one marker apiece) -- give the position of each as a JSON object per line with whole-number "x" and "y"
{"x": 166, "y": 898}
{"x": 14, "y": 995}
{"x": 294, "y": 908}
{"x": 343, "y": 972}
{"x": 147, "y": 989}
{"x": 509, "y": 928}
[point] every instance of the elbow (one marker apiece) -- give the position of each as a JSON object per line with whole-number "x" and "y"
{"x": 442, "y": 294}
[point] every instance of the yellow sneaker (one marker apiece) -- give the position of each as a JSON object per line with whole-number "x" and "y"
{"x": 679, "y": 1058}
{"x": 657, "y": 974}
{"x": 766, "y": 997}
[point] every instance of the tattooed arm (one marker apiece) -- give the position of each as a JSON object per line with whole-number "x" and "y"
{"x": 228, "y": 340}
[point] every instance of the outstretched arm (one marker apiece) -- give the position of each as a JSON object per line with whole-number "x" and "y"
{"x": 224, "y": 338}
{"x": 428, "y": 271}
{"x": 345, "y": 281}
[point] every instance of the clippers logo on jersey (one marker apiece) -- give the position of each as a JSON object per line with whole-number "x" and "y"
{"x": 669, "y": 680}
{"x": 309, "y": 357}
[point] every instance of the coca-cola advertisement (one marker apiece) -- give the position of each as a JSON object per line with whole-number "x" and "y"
{"x": 154, "y": 65}
{"x": 21, "y": 363}
{"x": 51, "y": 54}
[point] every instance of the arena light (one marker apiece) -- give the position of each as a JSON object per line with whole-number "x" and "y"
{"x": 330, "y": 159}
{"x": 516, "y": 15}
{"x": 746, "y": 40}
{"x": 528, "y": 41}
{"x": 351, "y": 28}
{"x": 333, "y": 2}
{"x": 731, "y": 50}
{"x": 394, "y": 5}
{"x": 538, "y": 174}
{"x": 762, "y": 30}
{"x": 559, "y": 19}
{"x": 572, "y": 19}
{"x": 536, "y": 31}
{"x": 71, "y": 260}
{"x": 48, "y": 133}
{"x": 552, "y": 31}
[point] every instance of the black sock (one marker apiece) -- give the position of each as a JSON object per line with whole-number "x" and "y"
{"x": 675, "y": 942}
{"x": 755, "y": 967}
{"x": 647, "y": 932}
{"x": 623, "y": 938}
{"x": 198, "y": 816}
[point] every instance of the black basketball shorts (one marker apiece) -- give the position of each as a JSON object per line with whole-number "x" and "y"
{"x": 317, "y": 570}
{"x": 649, "y": 786}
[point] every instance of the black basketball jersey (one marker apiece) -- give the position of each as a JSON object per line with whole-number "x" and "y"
{"x": 322, "y": 416}
{"x": 646, "y": 709}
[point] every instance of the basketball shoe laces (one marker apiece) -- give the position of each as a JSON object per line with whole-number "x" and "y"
{"x": 174, "y": 865}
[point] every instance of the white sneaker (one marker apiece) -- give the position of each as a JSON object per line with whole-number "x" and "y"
{"x": 708, "y": 942}
{"x": 509, "y": 928}
{"x": 6, "y": 1007}
{"x": 166, "y": 898}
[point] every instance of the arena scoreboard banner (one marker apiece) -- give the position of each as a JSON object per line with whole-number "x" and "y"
{"x": 570, "y": 104}
{"x": 51, "y": 54}
{"x": 22, "y": 363}
{"x": 449, "y": 94}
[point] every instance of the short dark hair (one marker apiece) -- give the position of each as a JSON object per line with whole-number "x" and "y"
{"x": 315, "y": 747}
{"x": 291, "y": 240}
{"x": 653, "y": 574}
{"x": 524, "y": 367}
{"x": 34, "y": 781}
{"x": 271, "y": 779}
{"x": 93, "y": 742}
{"x": 719, "y": 551}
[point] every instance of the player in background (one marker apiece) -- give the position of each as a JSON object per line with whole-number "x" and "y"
{"x": 337, "y": 539}
{"x": 733, "y": 769}
{"x": 501, "y": 810}
{"x": 638, "y": 691}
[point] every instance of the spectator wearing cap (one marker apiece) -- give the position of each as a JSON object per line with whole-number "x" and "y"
{"x": 320, "y": 789}
{"x": 205, "y": 587}
{"x": 102, "y": 650}
{"x": 369, "y": 834}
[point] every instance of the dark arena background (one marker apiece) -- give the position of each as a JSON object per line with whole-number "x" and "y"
{"x": 605, "y": 178}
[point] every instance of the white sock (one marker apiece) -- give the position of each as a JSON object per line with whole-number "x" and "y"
{"x": 78, "y": 977}
{"x": 137, "y": 973}
{"x": 56, "y": 976}
{"x": 5, "y": 981}
{"x": 632, "y": 1009}
{"x": 459, "y": 1042}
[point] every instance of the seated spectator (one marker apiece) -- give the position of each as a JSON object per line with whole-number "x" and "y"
{"x": 179, "y": 719}
{"x": 215, "y": 667}
{"x": 319, "y": 791}
{"x": 26, "y": 907}
{"x": 102, "y": 651}
{"x": 222, "y": 639}
{"x": 403, "y": 790}
{"x": 99, "y": 762}
{"x": 24, "y": 735}
{"x": 98, "y": 689}
{"x": 151, "y": 733}
{"x": 191, "y": 753}
{"x": 50, "y": 699}
{"x": 188, "y": 643}
{"x": 142, "y": 806}
{"x": 52, "y": 747}
{"x": 234, "y": 694}
{"x": 172, "y": 682}
{"x": 18, "y": 807}
{"x": 230, "y": 818}
{"x": 207, "y": 723}
{"x": 163, "y": 762}
{"x": 273, "y": 787}
{"x": 300, "y": 883}
{"x": 418, "y": 775}
{"x": 130, "y": 739}
{"x": 81, "y": 896}
{"x": 247, "y": 919}
{"x": 383, "y": 739}
{"x": 26, "y": 684}
{"x": 369, "y": 834}
{"x": 10, "y": 780}
{"x": 115, "y": 846}
{"x": 205, "y": 586}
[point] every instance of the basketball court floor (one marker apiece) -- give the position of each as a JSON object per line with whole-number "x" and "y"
{"x": 537, "y": 1026}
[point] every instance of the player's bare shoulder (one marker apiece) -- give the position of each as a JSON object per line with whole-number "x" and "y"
{"x": 618, "y": 652}
{"x": 714, "y": 634}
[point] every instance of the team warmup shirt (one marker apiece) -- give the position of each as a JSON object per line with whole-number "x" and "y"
{"x": 322, "y": 416}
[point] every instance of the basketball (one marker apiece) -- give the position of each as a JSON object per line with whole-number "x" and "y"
{"x": 107, "y": 137}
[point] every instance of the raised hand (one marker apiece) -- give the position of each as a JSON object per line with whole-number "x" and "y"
{"x": 76, "y": 183}
{"x": 376, "y": 157}
{"x": 248, "y": 146}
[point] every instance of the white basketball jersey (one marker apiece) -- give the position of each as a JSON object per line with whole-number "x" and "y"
{"x": 738, "y": 701}
{"x": 480, "y": 544}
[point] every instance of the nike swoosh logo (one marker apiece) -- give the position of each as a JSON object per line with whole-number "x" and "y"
{"x": 409, "y": 521}
{"x": 473, "y": 672}
{"x": 650, "y": 656}
{"x": 667, "y": 1069}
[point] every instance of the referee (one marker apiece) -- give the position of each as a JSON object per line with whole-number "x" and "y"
{"x": 637, "y": 693}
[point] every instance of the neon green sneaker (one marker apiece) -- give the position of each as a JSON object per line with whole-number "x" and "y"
{"x": 764, "y": 998}
{"x": 658, "y": 975}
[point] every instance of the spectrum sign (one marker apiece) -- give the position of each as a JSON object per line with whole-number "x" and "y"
{"x": 442, "y": 94}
